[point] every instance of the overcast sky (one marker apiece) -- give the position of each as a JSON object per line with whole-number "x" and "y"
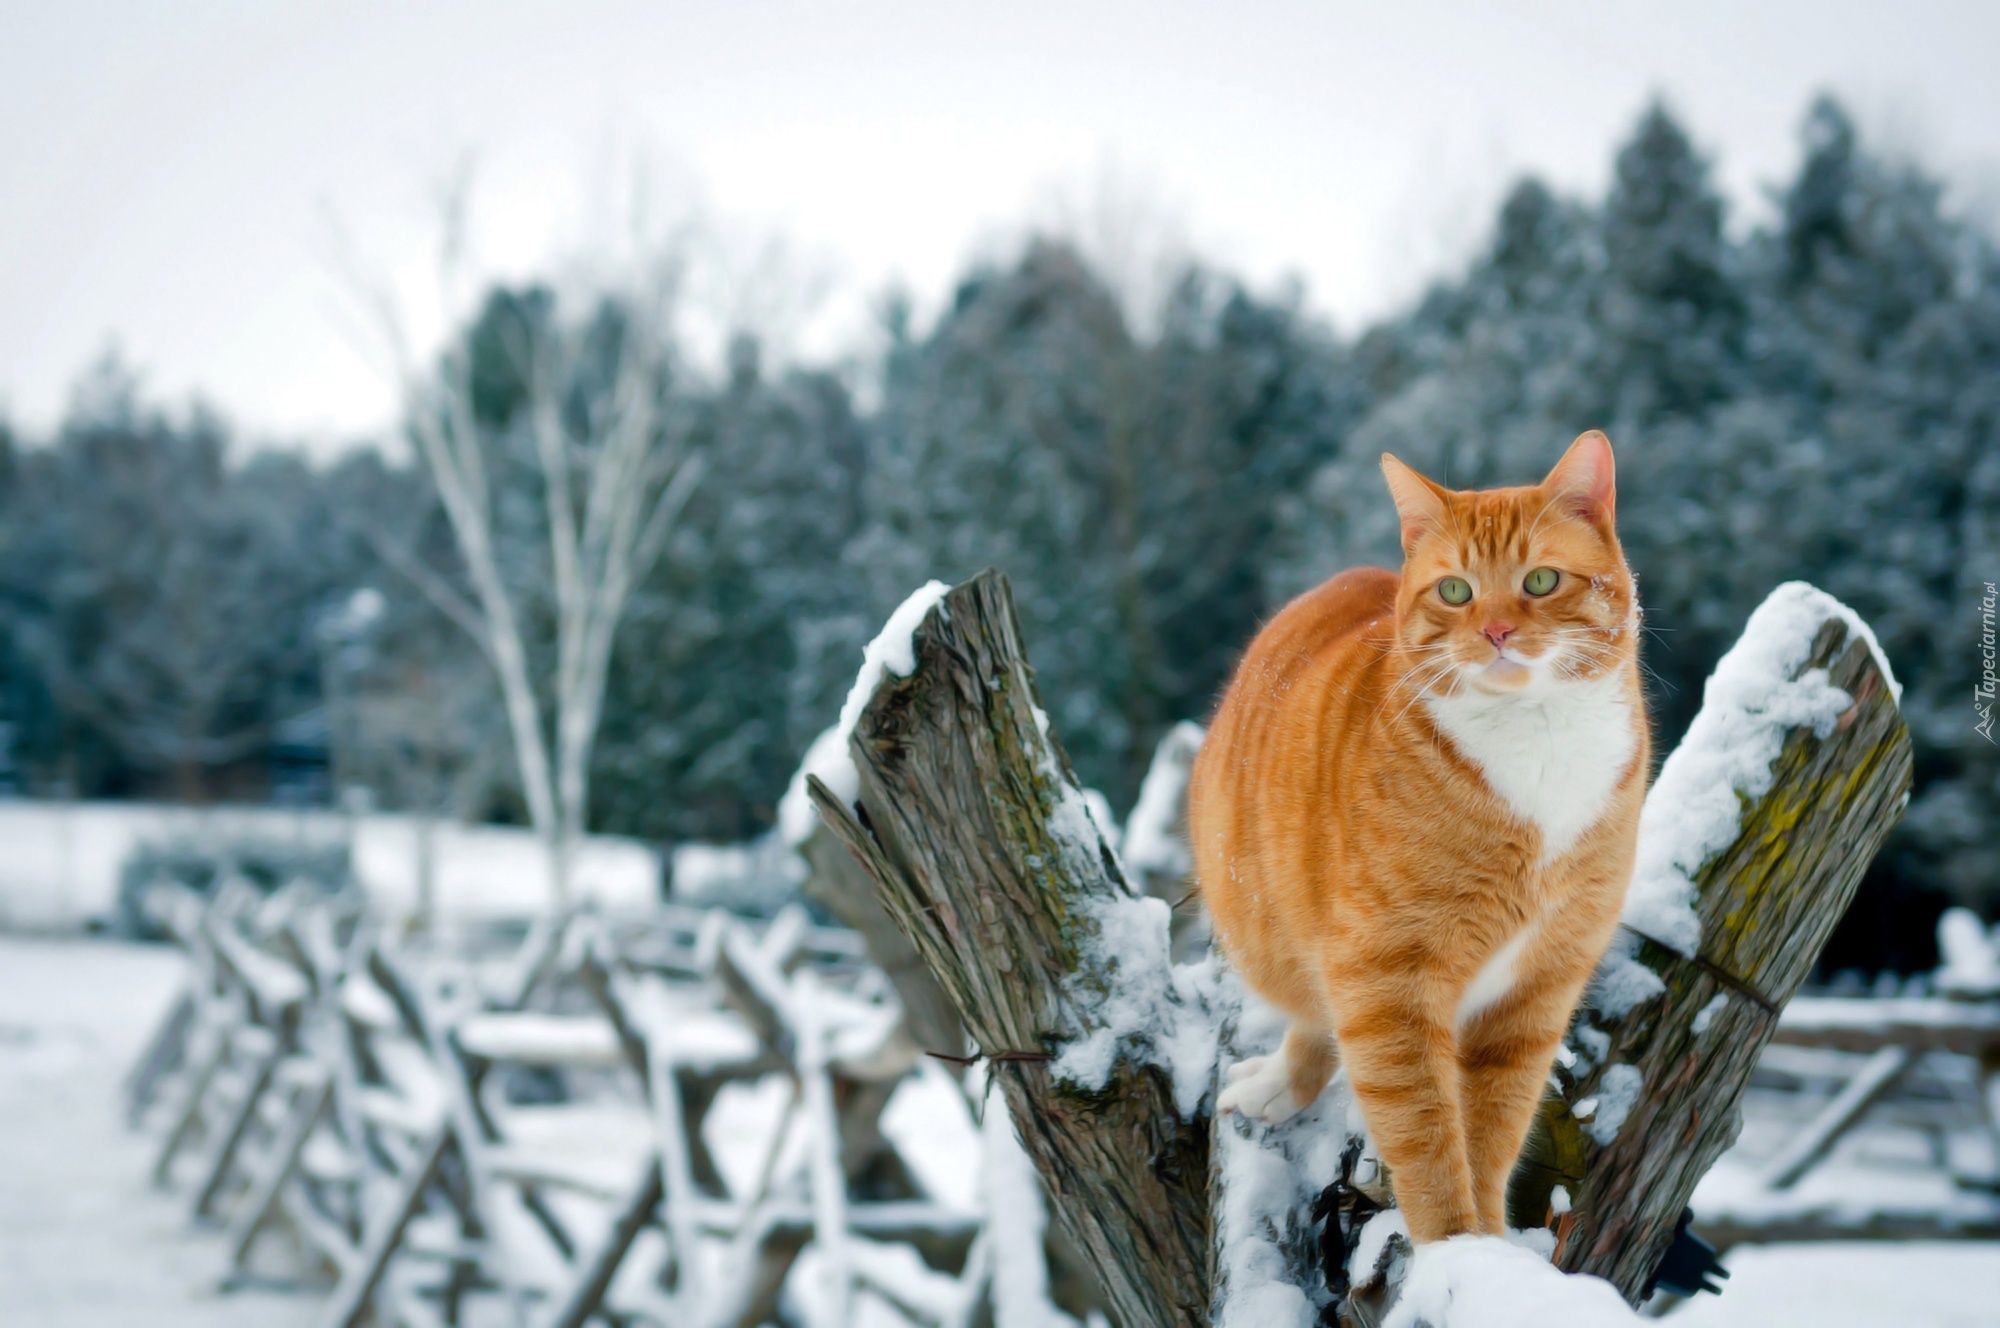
{"x": 170, "y": 172}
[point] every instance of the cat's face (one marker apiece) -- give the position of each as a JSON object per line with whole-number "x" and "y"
{"x": 1514, "y": 590}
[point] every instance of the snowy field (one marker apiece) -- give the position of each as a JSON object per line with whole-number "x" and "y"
{"x": 1839, "y": 1285}
{"x": 85, "y": 1244}
{"x": 63, "y": 860}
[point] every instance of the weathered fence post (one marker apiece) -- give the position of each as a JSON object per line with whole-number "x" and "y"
{"x": 1676, "y": 1024}
{"x": 982, "y": 850}
{"x": 966, "y": 816}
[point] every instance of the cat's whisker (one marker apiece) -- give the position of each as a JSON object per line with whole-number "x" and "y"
{"x": 1656, "y": 677}
{"x": 1407, "y": 681}
{"x": 1414, "y": 681}
{"x": 1426, "y": 657}
{"x": 1419, "y": 691}
{"x": 1437, "y": 673}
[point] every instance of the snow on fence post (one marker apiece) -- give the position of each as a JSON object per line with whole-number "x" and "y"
{"x": 1753, "y": 840}
{"x": 1154, "y": 846}
{"x": 981, "y": 847}
{"x": 953, "y": 797}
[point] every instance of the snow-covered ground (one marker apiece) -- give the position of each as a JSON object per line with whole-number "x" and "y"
{"x": 1854, "y": 1285}
{"x": 62, "y": 861}
{"x": 85, "y": 1244}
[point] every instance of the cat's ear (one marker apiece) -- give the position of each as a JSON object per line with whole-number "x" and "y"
{"x": 1586, "y": 479}
{"x": 1420, "y": 503}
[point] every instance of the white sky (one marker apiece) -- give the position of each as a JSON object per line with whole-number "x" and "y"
{"x": 168, "y": 171}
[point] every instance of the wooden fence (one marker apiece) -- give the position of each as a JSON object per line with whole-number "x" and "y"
{"x": 390, "y": 1118}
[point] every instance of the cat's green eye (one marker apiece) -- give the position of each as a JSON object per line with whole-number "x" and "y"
{"x": 1541, "y": 581}
{"x": 1454, "y": 590}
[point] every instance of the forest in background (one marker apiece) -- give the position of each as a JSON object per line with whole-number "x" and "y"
{"x": 1818, "y": 398}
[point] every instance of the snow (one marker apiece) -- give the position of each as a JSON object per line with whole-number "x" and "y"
{"x": 275, "y": 983}
{"x": 1593, "y": 1044}
{"x": 1127, "y": 997}
{"x": 83, "y": 1242}
{"x": 796, "y": 816}
{"x": 1621, "y": 983}
{"x": 1153, "y": 841}
{"x": 542, "y": 1039}
{"x": 686, "y": 1031}
{"x": 860, "y": 1034}
{"x": 1262, "y": 1198}
{"x": 892, "y": 651}
{"x": 932, "y": 1127}
{"x": 1971, "y": 955}
{"x": 1706, "y": 1015}
{"x": 1372, "y": 1245}
{"x": 1151, "y": 1009}
{"x": 1853, "y": 1285}
{"x": 1616, "y": 1093}
{"x": 905, "y": 1279}
{"x": 760, "y": 876}
{"x": 494, "y": 873}
{"x": 63, "y": 860}
{"x": 1902, "y": 1161}
{"x": 1269, "y": 1177}
{"x": 1135, "y": 1003}
{"x": 1842, "y": 1192}
{"x": 887, "y": 1276}
{"x": 1877, "y": 1014}
{"x": 1019, "y": 1220}
{"x": 1491, "y": 1282}
{"x": 703, "y": 872}
{"x": 366, "y": 1003}
{"x": 597, "y": 1143}
{"x": 742, "y": 1124}
{"x": 598, "y": 1147}
{"x": 1539, "y": 1241}
{"x": 1750, "y": 704}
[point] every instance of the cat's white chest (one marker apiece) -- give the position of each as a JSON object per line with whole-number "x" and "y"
{"x": 1553, "y": 756}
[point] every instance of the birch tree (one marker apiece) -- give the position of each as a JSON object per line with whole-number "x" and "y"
{"x": 590, "y": 403}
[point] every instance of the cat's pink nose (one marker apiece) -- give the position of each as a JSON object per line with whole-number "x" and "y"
{"x": 1498, "y": 632}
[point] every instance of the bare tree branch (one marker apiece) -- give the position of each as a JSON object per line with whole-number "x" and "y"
{"x": 635, "y": 479}
{"x": 434, "y": 587}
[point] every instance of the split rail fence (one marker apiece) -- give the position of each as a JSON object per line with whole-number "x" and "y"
{"x": 389, "y": 1118}
{"x": 526, "y": 1140}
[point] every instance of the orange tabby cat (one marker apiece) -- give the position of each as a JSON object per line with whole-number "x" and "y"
{"x": 1414, "y": 819}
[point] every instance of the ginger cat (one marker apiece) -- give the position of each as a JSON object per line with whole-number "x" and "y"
{"x": 1414, "y": 820}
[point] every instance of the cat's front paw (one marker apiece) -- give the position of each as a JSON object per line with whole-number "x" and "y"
{"x": 1260, "y": 1088}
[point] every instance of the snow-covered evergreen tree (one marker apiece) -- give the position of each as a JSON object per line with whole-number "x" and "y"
{"x": 1818, "y": 399}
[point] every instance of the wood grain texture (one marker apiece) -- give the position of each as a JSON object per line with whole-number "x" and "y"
{"x": 1767, "y": 904}
{"x": 959, "y": 790}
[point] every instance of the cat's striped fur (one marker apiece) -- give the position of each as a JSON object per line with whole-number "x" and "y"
{"x": 1414, "y": 823}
